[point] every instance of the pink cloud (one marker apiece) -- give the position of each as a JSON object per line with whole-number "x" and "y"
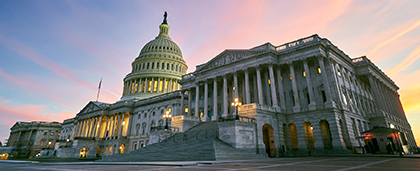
{"x": 31, "y": 54}
{"x": 393, "y": 38}
{"x": 410, "y": 59}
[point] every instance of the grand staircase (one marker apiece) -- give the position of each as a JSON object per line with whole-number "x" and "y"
{"x": 199, "y": 143}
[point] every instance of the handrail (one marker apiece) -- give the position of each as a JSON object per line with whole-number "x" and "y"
{"x": 157, "y": 128}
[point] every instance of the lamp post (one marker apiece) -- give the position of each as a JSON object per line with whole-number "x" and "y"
{"x": 397, "y": 136}
{"x": 167, "y": 116}
{"x": 235, "y": 104}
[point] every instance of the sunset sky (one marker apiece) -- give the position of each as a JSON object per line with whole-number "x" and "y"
{"x": 53, "y": 53}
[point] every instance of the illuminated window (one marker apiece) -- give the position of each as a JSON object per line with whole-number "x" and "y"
{"x": 186, "y": 109}
{"x": 144, "y": 83}
{"x": 160, "y": 85}
{"x": 281, "y": 78}
{"x": 150, "y": 86}
{"x": 290, "y": 76}
{"x": 169, "y": 110}
{"x": 155, "y": 86}
{"x": 338, "y": 72}
{"x": 58, "y": 134}
{"x": 344, "y": 75}
{"x": 319, "y": 70}
{"x": 49, "y": 143}
{"x": 166, "y": 85}
{"x": 304, "y": 73}
{"x": 135, "y": 87}
{"x": 172, "y": 86}
{"x": 269, "y": 81}
{"x": 52, "y": 133}
{"x": 42, "y": 143}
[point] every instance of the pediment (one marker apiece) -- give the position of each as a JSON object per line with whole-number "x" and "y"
{"x": 227, "y": 57}
{"x": 90, "y": 107}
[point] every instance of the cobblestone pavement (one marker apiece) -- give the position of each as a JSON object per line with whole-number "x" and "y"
{"x": 295, "y": 163}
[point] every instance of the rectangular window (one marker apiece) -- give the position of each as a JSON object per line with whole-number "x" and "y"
{"x": 290, "y": 76}
{"x": 172, "y": 86}
{"x": 304, "y": 73}
{"x": 186, "y": 110}
{"x": 135, "y": 87}
{"x": 166, "y": 85}
{"x": 319, "y": 70}
{"x": 144, "y": 87}
{"x": 42, "y": 143}
{"x": 160, "y": 85}
{"x": 269, "y": 82}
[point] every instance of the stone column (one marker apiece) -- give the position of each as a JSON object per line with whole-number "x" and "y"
{"x": 98, "y": 129}
{"x": 92, "y": 127}
{"x": 122, "y": 126}
{"x": 300, "y": 134}
{"x": 329, "y": 102}
{"x": 82, "y": 131}
{"x": 259, "y": 86}
{"x": 214, "y": 116}
{"x": 235, "y": 84}
{"x": 296, "y": 108}
{"x": 197, "y": 99}
{"x": 273, "y": 86}
{"x": 312, "y": 104}
{"x": 146, "y": 86}
{"x": 206, "y": 92}
{"x": 89, "y": 127}
{"x": 75, "y": 130}
{"x": 247, "y": 92}
{"x": 174, "y": 85}
{"x": 189, "y": 101}
{"x": 317, "y": 132}
{"x": 106, "y": 126}
{"x": 225, "y": 97}
{"x": 182, "y": 103}
{"x": 111, "y": 126}
{"x": 281, "y": 91}
{"x": 153, "y": 85}
{"x": 375, "y": 92}
{"x": 117, "y": 125}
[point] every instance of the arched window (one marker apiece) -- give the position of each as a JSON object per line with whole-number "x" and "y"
{"x": 167, "y": 66}
{"x": 148, "y": 65}
{"x": 153, "y": 65}
{"x": 172, "y": 67}
{"x": 163, "y": 65}
{"x": 176, "y": 68}
{"x": 157, "y": 65}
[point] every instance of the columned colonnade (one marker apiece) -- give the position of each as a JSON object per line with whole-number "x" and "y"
{"x": 262, "y": 85}
{"x": 151, "y": 85}
{"x": 106, "y": 126}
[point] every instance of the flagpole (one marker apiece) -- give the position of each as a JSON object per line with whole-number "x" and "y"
{"x": 99, "y": 90}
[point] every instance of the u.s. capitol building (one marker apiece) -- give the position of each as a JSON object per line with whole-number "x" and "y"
{"x": 304, "y": 96}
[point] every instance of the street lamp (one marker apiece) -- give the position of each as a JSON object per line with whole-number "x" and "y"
{"x": 167, "y": 116}
{"x": 235, "y": 104}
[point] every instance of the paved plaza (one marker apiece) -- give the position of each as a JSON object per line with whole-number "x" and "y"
{"x": 294, "y": 163}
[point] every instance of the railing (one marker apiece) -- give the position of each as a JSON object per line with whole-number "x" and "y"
{"x": 158, "y": 128}
{"x": 237, "y": 117}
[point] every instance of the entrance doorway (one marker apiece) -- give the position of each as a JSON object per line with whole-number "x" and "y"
{"x": 268, "y": 139}
{"x": 83, "y": 152}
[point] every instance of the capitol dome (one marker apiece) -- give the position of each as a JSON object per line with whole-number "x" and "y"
{"x": 158, "y": 68}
